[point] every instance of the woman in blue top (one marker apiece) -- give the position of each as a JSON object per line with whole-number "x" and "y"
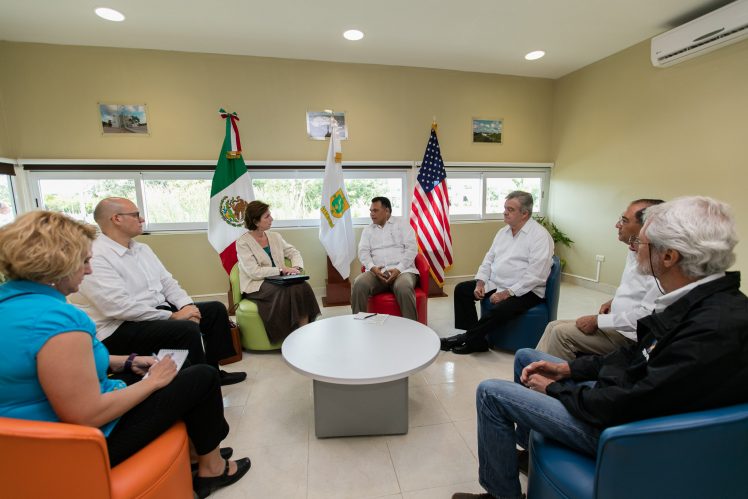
{"x": 52, "y": 367}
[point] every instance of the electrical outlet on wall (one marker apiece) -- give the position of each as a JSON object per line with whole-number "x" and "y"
{"x": 599, "y": 258}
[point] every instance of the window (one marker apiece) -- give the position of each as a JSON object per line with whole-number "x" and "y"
{"x": 180, "y": 200}
{"x": 499, "y": 186}
{"x": 294, "y": 197}
{"x": 77, "y": 196}
{"x": 176, "y": 200}
{"x": 479, "y": 194}
{"x": 7, "y": 206}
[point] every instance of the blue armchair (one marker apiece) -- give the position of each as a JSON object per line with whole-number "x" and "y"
{"x": 694, "y": 455}
{"x": 525, "y": 331}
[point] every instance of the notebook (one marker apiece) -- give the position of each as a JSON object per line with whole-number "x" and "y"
{"x": 178, "y": 356}
{"x": 285, "y": 280}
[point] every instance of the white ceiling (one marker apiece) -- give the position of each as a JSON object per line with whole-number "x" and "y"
{"x": 490, "y": 36}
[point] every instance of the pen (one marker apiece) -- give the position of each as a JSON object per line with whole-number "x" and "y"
{"x": 370, "y": 315}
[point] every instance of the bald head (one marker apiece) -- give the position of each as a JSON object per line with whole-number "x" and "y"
{"x": 119, "y": 219}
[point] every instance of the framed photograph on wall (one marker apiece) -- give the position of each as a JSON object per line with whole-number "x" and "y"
{"x": 123, "y": 119}
{"x": 487, "y": 131}
{"x": 319, "y": 124}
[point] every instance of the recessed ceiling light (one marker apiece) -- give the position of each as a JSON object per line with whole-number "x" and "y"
{"x": 353, "y": 35}
{"x": 110, "y": 14}
{"x": 535, "y": 54}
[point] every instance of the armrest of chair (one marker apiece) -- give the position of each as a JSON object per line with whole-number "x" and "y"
{"x": 160, "y": 469}
{"x": 235, "y": 290}
{"x": 43, "y": 459}
{"x": 423, "y": 270}
{"x": 686, "y": 455}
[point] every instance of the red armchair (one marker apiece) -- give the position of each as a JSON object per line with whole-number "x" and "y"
{"x": 66, "y": 461}
{"x": 385, "y": 303}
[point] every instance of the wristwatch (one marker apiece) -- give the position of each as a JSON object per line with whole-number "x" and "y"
{"x": 508, "y": 290}
{"x": 128, "y": 363}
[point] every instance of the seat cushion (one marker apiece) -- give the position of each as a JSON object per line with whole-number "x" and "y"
{"x": 385, "y": 303}
{"x": 558, "y": 472}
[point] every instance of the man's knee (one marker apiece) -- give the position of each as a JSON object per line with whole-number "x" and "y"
{"x": 525, "y": 356}
{"x": 403, "y": 287}
{"x": 212, "y": 307}
{"x": 360, "y": 284}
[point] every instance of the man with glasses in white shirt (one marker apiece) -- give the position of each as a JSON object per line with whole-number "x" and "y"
{"x": 387, "y": 251}
{"x": 513, "y": 276}
{"x": 615, "y": 324}
{"x": 138, "y": 306}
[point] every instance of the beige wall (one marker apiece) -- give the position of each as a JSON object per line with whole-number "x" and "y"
{"x": 51, "y": 94}
{"x": 624, "y": 129}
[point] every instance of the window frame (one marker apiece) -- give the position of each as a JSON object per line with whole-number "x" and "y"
{"x": 12, "y": 186}
{"x": 139, "y": 171}
{"x": 484, "y": 171}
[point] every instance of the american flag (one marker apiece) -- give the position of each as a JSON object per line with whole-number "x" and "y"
{"x": 429, "y": 211}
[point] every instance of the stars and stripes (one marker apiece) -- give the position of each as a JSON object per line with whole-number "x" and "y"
{"x": 429, "y": 211}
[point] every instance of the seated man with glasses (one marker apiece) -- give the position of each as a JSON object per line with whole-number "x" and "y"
{"x": 138, "y": 307}
{"x": 615, "y": 324}
{"x": 691, "y": 354}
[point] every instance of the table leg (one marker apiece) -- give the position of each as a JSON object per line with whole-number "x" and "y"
{"x": 347, "y": 410}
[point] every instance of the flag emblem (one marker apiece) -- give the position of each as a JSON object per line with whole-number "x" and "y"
{"x": 338, "y": 204}
{"x": 232, "y": 210}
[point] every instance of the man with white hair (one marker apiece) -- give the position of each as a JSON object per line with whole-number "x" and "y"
{"x": 691, "y": 354}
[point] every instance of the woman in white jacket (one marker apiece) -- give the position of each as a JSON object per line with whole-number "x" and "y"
{"x": 261, "y": 254}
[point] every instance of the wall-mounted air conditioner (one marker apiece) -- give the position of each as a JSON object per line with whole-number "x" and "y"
{"x": 717, "y": 29}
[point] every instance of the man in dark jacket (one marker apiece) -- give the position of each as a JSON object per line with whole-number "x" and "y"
{"x": 691, "y": 354}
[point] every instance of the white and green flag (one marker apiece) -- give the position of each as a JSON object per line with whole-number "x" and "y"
{"x": 335, "y": 226}
{"x": 230, "y": 193}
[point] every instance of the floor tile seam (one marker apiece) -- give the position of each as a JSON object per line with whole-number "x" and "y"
{"x": 394, "y": 468}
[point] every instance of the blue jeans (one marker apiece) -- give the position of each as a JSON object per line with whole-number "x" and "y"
{"x": 500, "y": 405}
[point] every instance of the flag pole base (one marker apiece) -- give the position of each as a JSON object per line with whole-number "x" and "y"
{"x": 338, "y": 290}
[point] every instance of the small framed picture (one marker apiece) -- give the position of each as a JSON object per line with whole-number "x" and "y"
{"x": 487, "y": 131}
{"x": 319, "y": 124}
{"x": 123, "y": 119}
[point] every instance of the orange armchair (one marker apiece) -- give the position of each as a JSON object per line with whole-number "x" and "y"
{"x": 385, "y": 303}
{"x": 66, "y": 461}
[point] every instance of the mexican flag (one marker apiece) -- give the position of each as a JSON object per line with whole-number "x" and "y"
{"x": 229, "y": 195}
{"x": 335, "y": 226}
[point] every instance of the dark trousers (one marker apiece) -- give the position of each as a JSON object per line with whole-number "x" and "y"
{"x": 466, "y": 316}
{"x": 194, "y": 397}
{"x": 148, "y": 337}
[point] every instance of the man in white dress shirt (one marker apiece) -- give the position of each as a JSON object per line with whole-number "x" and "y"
{"x": 512, "y": 275}
{"x": 138, "y": 307}
{"x": 387, "y": 251}
{"x": 615, "y": 324}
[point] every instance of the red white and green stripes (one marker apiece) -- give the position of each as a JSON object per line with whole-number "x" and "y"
{"x": 230, "y": 193}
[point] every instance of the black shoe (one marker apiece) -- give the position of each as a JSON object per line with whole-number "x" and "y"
{"x": 204, "y": 486}
{"x": 231, "y": 378}
{"x": 467, "y": 348}
{"x": 448, "y": 344}
{"x": 523, "y": 460}
{"x": 226, "y": 452}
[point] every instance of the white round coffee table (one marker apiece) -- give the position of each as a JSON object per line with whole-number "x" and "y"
{"x": 360, "y": 370}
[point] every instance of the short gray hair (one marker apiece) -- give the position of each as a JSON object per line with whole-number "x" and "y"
{"x": 524, "y": 198}
{"x": 700, "y": 228}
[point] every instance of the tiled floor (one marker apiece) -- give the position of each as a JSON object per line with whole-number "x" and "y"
{"x": 272, "y": 422}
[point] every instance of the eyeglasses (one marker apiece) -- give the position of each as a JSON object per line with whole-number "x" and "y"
{"x": 635, "y": 241}
{"x": 135, "y": 214}
{"x": 623, "y": 220}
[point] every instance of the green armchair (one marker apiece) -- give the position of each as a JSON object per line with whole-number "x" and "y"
{"x": 253, "y": 334}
